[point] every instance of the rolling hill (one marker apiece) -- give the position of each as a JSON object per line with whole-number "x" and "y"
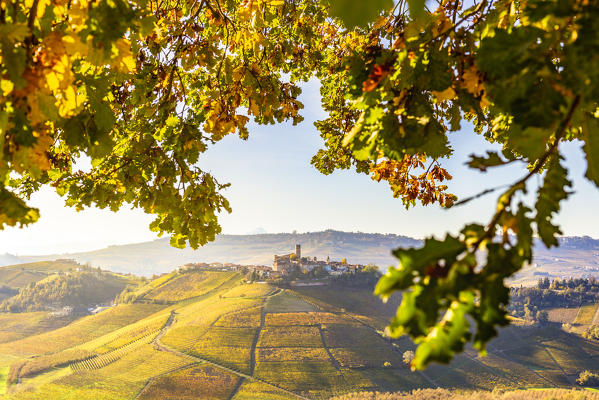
{"x": 210, "y": 335}
{"x": 51, "y": 285}
{"x": 576, "y": 256}
{"x": 158, "y": 256}
{"x": 75, "y": 289}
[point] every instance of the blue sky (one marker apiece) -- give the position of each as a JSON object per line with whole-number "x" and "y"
{"x": 274, "y": 187}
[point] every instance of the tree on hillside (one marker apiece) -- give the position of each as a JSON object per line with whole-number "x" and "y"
{"x": 142, "y": 88}
{"x": 542, "y": 317}
{"x": 588, "y": 378}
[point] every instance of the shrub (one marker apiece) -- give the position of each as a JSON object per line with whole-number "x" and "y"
{"x": 588, "y": 378}
{"x": 592, "y": 332}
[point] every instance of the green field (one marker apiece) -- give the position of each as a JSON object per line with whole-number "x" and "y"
{"x": 208, "y": 335}
{"x": 3, "y": 378}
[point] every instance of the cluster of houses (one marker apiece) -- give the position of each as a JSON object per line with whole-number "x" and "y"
{"x": 284, "y": 265}
{"x": 66, "y": 311}
{"x": 262, "y": 270}
{"x": 289, "y": 263}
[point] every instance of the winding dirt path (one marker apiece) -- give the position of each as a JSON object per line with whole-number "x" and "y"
{"x": 236, "y": 388}
{"x": 326, "y": 348}
{"x": 256, "y": 338}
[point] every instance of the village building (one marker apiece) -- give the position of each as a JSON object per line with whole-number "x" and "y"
{"x": 288, "y": 263}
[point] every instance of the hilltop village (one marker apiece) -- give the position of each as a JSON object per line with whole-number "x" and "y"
{"x": 288, "y": 265}
{"x": 293, "y": 262}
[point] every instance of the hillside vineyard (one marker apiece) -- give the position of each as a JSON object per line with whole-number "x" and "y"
{"x": 201, "y": 333}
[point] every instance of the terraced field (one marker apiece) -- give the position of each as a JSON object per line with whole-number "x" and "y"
{"x": 188, "y": 285}
{"x": 239, "y": 341}
{"x": 81, "y": 331}
{"x": 17, "y": 326}
{"x": 197, "y": 382}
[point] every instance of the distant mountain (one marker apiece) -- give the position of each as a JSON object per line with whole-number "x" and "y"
{"x": 257, "y": 231}
{"x": 9, "y": 259}
{"x": 579, "y": 242}
{"x": 158, "y": 256}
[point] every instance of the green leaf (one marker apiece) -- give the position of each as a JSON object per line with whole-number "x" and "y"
{"x": 590, "y": 135}
{"x": 529, "y": 142}
{"x": 415, "y": 261}
{"x": 359, "y": 12}
{"x": 447, "y": 337}
{"x": 482, "y": 163}
{"x": 14, "y": 211}
{"x": 549, "y": 197}
{"x": 104, "y": 118}
{"x": 74, "y": 133}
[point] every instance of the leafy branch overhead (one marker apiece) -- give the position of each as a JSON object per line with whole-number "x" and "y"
{"x": 142, "y": 88}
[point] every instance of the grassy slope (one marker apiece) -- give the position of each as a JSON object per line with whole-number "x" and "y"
{"x": 80, "y": 331}
{"x": 315, "y": 342}
{"x": 74, "y": 289}
{"x": 17, "y": 326}
{"x": 189, "y": 285}
{"x": 17, "y": 276}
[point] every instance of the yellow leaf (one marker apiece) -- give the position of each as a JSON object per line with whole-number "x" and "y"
{"x": 123, "y": 60}
{"x": 6, "y": 86}
{"x": 52, "y": 81}
{"x": 78, "y": 15}
{"x": 69, "y": 100}
{"x": 442, "y": 25}
{"x": 172, "y": 120}
{"x": 38, "y": 155}
{"x": 380, "y": 22}
{"x": 447, "y": 94}
{"x": 41, "y": 7}
{"x": 471, "y": 81}
{"x": 238, "y": 73}
{"x": 241, "y": 120}
{"x": 254, "y": 109}
{"x": 74, "y": 46}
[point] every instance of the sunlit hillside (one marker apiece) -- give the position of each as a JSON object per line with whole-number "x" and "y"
{"x": 52, "y": 285}
{"x": 210, "y": 335}
{"x": 19, "y": 275}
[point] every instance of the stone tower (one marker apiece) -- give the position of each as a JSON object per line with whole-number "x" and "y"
{"x": 298, "y": 251}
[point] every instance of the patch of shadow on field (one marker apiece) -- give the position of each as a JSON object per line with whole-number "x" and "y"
{"x": 287, "y": 302}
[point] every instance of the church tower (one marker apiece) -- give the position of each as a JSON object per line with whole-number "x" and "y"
{"x": 298, "y": 251}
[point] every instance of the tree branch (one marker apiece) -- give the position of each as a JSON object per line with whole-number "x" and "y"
{"x": 539, "y": 165}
